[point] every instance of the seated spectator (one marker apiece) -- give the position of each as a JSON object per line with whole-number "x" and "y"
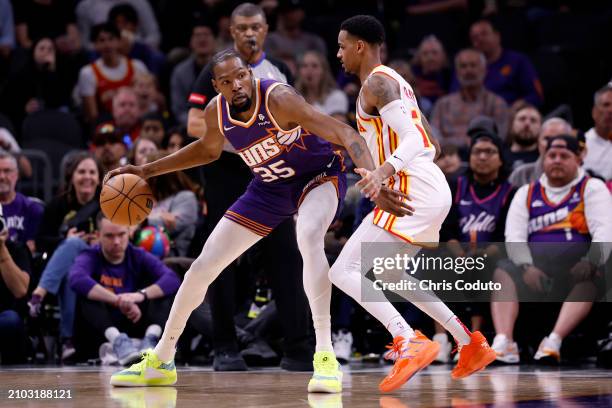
{"x": 125, "y": 18}
{"x": 115, "y": 276}
{"x": 316, "y": 84}
{"x": 40, "y": 84}
{"x": 432, "y": 76}
{"x": 69, "y": 226}
{"x": 99, "y": 81}
{"x": 523, "y": 135}
{"x": 9, "y": 144}
{"x": 290, "y": 39}
{"x": 153, "y": 128}
{"x": 176, "y": 207}
{"x": 175, "y": 139}
{"x": 55, "y": 19}
{"x": 403, "y": 68}
{"x": 510, "y": 74}
{"x": 599, "y": 137}
{"x": 141, "y": 150}
{"x": 90, "y": 13}
{"x": 202, "y": 46}
{"x": 532, "y": 218}
{"x": 126, "y": 115}
{"x": 530, "y": 172}
{"x": 452, "y": 113}
{"x": 150, "y": 99}
{"x": 14, "y": 281}
{"x": 450, "y": 162}
{"x": 22, "y": 214}
{"x": 109, "y": 147}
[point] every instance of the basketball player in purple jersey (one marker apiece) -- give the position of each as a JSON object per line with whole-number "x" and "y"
{"x": 277, "y": 134}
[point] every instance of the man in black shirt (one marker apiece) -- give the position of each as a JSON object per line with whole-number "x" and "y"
{"x": 226, "y": 180}
{"x": 14, "y": 281}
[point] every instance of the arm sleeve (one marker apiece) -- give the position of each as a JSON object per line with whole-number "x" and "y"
{"x": 202, "y": 91}
{"x": 80, "y": 275}
{"x": 597, "y": 204}
{"x": 164, "y": 277}
{"x": 516, "y": 228}
{"x": 397, "y": 117}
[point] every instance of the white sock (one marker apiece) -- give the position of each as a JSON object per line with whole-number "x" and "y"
{"x": 315, "y": 215}
{"x": 440, "y": 338}
{"x": 457, "y": 329}
{"x": 397, "y": 326}
{"x": 111, "y": 334}
{"x": 226, "y": 242}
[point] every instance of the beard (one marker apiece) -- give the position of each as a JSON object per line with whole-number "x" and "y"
{"x": 245, "y": 106}
{"x": 525, "y": 139}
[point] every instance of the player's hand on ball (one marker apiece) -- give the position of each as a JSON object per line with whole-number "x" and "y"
{"x": 370, "y": 183}
{"x": 394, "y": 202}
{"x": 131, "y": 169}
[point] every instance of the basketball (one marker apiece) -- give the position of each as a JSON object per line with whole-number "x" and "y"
{"x": 154, "y": 240}
{"x": 126, "y": 199}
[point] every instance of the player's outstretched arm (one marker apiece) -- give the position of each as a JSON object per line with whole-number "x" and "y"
{"x": 202, "y": 151}
{"x": 288, "y": 107}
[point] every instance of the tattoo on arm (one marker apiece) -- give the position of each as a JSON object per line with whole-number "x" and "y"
{"x": 383, "y": 89}
{"x": 356, "y": 149}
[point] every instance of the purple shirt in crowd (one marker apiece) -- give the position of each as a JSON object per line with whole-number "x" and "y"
{"x": 22, "y": 217}
{"x": 138, "y": 270}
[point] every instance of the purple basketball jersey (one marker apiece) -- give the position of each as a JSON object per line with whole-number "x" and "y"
{"x": 478, "y": 217}
{"x": 563, "y": 222}
{"x": 273, "y": 155}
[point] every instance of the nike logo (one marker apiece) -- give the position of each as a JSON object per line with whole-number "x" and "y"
{"x": 398, "y": 158}
{"x": 228, "y": 128}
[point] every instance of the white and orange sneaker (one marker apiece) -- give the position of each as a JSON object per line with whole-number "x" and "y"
{"x": 473, "y": 357}
{"x": 507, "y": 351}
{"x": 549, "y": 351}
{"x": 410, "y": 356}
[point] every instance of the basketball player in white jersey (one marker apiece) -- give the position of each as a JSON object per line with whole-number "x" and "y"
{"x": 398, "y": 138}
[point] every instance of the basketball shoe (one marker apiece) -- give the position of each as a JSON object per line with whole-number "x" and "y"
{"x": 549, "y": 351}
{"x": 506, "y": 350}
{"x": 410, "y": 356}
{"x": 327, "y": 375}
{"x": 149, "y": 371}
{"x": 474, "y": 356}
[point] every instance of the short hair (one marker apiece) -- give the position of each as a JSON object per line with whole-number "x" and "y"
{"x": 601, "y": 91}
{"x": 481, "y": 56}
{"x": 107, "y": 27}
{"x": 125, "y": 10}
{"x": 494, "y": 26}
{"x": 205, "y": 22}
{"x": 248, "y": 10}
{"x": 222, "y": 56}
{"x": 8, "y": 155}
{"x": 567, "y": 128}
{"x": 365, "y": 27}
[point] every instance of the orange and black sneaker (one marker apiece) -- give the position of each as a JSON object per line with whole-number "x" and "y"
{"x": 473, "y": 357}
{"x": 410, "y": 356}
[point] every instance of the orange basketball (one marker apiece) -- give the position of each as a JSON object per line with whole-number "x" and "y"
{"x": 126, "y": 199}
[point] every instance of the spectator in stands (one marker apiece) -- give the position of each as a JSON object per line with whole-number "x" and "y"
{"x": 9, "y": 144}
{"x": 54, "y": 19}
{"x": 450, "y": 162}
{"x": 510, "y": 74}
{"x": 116, "y": 275}
{"x": 69, "y": 227}
{"x": 150, "y": 99}
{"x": 525, "y": 126}
{"x": 126, "y": 114}
{"x": 40, "y": 84}
{"x": 184, "y": 75}
{"x": 14, "y": 280}
{"x": 141, "y": 150}
{"x": 317, "y": 85}
{"x": 93, "y": 12}
{"x": 22, "y": 214}
{"x": 176, "y": 207}
{"x": 431, "y": 71}
{"x": 402, "y": 67}
{"x": 290, "y": 39}
{"x": 125, "y": 18}
{"x": 7, "y": 33}
{"x": 153, "y": 128}
{"x": 599, "y": 137}
{"x": 530, "y": 172}
{"x": 563, "y": 188}
{"x": 109, "y": 147}
{"x": 100, "y": 80}
{"x": 452, "y": 113}
{"x": 175, "y": 139}
{"x": 480, "y": 206}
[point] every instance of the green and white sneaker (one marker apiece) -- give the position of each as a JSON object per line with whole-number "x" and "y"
{"x": 327, "y": 376}
{"x": 150, "y": 371}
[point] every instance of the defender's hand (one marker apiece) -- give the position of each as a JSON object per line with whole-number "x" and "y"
{"x": 394, "y": 202}
{"x": 370, "y": 183}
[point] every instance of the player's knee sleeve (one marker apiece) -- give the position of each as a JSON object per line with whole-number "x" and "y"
{"x": 309, "y": 237}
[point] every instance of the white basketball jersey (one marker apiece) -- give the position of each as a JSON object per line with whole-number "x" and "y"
{"x": 421, "y": 179}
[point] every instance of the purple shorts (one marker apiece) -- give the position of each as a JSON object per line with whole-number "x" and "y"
{"x": 264, "y": 205}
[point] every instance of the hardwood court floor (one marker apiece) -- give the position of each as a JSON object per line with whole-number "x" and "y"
{"x": 200, "y": 387}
